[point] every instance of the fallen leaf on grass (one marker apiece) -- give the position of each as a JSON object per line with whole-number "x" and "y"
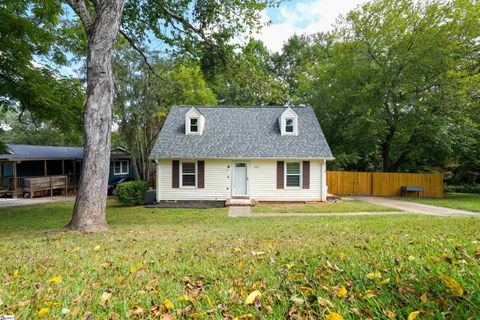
{"x": 168, "y": 304}
{"x": 105, "y": 297}
{"x": 391, "y": 315}
{"x": 374, "y": 275}
{"x": 306, "y": 288}
{"x": 55, "y": 280}
{"x": 457, "y": 288}
{"x": 334, "y": 316}
{"x": 43, "y": 311}
{"x": 258, "y": 253}
{"x": 369, "y": 294}
{"x": 325, "y": 302}
{"x": 384, "y": 281}
{"x": 196, "y": 315}
{"x": 341, "y": 292}
{"x": 252, "y": 297}
{"x": 135, "y": 268}
{"x": 21, "y": 303}
{"x": 96, "y": 248}
{"x": 413, "y": 315}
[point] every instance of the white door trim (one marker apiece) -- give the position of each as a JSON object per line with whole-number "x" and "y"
{"x": 246, "y": 180}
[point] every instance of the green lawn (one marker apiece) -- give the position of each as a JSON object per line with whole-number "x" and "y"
{"x": 339, "y": 206}
{"x": 202, "y": 264}
{"x": 463, "y": 201}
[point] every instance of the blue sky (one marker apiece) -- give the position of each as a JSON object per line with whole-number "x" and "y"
{"x": 301, "y": 17}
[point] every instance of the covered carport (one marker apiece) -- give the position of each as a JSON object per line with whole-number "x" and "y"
{"x": 36, "y": 169}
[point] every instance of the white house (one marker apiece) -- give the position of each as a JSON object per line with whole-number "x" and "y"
{"x": 259, "y": 153}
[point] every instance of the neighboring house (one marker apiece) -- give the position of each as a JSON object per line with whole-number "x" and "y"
{"x": 260, "y": 153}
{"x": 27, "y": 161}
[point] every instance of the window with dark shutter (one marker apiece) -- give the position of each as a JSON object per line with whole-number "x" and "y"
{"x": 201, "y": 174}
{"x": 175, "y": 173}
{"x": 189, "y": 174}
{"x": 306, "y": 174}
{"x": 292, "y": 174}
{"x": 280, "y": 170}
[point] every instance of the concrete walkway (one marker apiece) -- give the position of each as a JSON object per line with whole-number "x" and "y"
{"x": 239, "y": 211}
{"x": 413, "y": 207}
{"x": 5, "y": 203}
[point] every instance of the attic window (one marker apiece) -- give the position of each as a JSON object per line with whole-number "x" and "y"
{"x": 193, "y": 124}
{"x": 289, "y": 123}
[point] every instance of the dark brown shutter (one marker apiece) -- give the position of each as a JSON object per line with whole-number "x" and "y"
{"x": 175, "y": 173}
{"x": 280, "y": 176}
{"x": 306, "y": 175}
{"x": 201, "y": 174}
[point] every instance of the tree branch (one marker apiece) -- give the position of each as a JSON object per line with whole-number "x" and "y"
{"x": 82, "y": 11}
{"x": 131, "y": 41}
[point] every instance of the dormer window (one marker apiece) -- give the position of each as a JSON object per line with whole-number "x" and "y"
{"x": 288, "y": 122}
{"x": 193, "y": 125}
{"x": 289, "y": 125}
{"x": 194, "y": 122}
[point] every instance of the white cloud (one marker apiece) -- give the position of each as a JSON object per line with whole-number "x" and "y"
{"x": 302, "y": 18}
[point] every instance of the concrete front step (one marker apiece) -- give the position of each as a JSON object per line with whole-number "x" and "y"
{"x": 240, "y": 202}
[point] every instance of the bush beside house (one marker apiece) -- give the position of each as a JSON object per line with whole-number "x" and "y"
{"x": 132, "y": 193}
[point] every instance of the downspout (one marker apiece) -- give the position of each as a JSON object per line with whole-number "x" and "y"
{"x": 157, "y": 181}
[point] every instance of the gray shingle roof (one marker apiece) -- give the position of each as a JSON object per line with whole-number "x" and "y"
{"x": 25, "y": 151}
{"x": 241, "y": 132}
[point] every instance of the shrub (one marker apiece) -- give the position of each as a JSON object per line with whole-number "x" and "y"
{"x": 463, "y": 188}
{"x": 132, "y": 193}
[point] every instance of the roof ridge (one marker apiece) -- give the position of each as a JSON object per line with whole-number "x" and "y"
{"x": 240, "y": 107}
{"x": 36, "y": 145}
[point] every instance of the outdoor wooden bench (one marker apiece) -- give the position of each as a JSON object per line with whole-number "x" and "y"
{"x": 417, "y": 189}
{"x": 44, "y": 184}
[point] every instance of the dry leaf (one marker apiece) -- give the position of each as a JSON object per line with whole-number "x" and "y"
{"x": 413, "y": 315}
{"x": 96, "y": 248}
{"x": 334, "y": 316}
{"x": 457, "y": 288}
{"x": 55, "y": 280}
{"x": 325, "y": 302}
{"x": 369, "y": 294}
{"x": 252, "y": 297}
{"x": 135, "y": 268}
{"x": 374, "y": 275}
{"x": 168, "y": 304}
{"x": 43, "y": 311}
{"x": 384, "y": 281}
{"x": 105, "y": 297}
{"x": 341, "y": 292}
{"x": 391, "y": 315}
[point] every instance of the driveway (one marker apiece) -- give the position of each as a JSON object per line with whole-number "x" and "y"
{"x": 420, "y": 208}
{"x": 5, "y": 203}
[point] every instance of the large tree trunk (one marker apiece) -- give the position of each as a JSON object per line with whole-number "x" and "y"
{"x": 89, "y": 211}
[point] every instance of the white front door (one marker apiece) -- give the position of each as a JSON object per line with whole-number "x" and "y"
{"x": 240, "y": 179}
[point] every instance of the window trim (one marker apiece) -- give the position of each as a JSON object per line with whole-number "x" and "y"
{"x": 197, "y": 125}
{"x": 195, "y": 174}
{"x": 121, "y": 173}
{"x": 293, "y": 125}
{"x": 300, "y": 174}
{"x": 189, "y": 126}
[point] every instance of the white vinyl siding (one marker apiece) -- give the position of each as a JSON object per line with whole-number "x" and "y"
{"x": 217, "y": 182}
{"x": 262, "y": 182}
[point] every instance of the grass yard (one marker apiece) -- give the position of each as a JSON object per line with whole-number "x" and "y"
{"x": 329, "y": 207}
{"x": 193, "y": 264}
{"x": 463, "y": 201}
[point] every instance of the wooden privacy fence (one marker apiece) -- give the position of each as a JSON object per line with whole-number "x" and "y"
{"x": 383, "y": 183}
